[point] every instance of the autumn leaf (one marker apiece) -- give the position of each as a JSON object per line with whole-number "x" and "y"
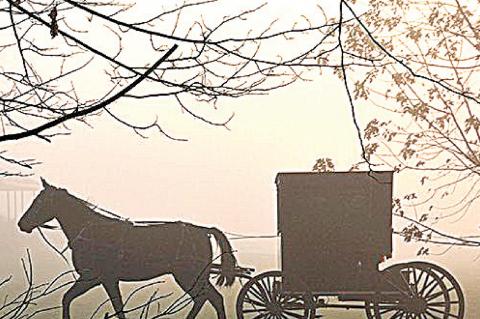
{"x": 324, "y": 165}
{"x": 423, "y": 179}
{"x": 371, "y": 130}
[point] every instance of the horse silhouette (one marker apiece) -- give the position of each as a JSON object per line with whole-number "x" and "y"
{"x": 106, "y": 250}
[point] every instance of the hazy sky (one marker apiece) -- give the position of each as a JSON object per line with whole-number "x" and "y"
{"x": 223, "y": 178}
{"x": 219, "y": 177}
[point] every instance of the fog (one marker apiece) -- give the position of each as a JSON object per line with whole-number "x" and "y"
{"x": 220, "y": 177}
{"x": 223, "y": 178}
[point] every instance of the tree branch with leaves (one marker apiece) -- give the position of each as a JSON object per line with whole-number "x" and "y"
{"x": 420, "y": 97}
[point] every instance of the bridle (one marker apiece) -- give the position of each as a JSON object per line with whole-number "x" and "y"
{"x": 41, "y": 203}
{"x": 79, "y": 235}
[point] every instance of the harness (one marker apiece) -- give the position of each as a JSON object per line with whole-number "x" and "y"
{"x": 185, "y": 232}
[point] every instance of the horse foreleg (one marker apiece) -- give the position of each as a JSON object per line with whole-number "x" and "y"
{"x": 113, "y": 291}
{"x": 81, "y": 286}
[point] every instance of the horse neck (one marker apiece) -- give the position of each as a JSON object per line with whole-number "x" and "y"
{"x": 74, "y": 216}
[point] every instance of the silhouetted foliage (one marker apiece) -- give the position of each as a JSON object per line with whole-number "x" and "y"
{"x": 420, "y": 99}
{"x": 72, "y": 60}
{"x": 34, "y": 299}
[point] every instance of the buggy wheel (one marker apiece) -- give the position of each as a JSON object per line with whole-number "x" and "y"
{"x": 457, "y": 300}
{"x": 261, "y": 297}
{"x": 424, "y": 291}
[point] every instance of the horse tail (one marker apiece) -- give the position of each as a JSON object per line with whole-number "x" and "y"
{"x": 227, "y": 259}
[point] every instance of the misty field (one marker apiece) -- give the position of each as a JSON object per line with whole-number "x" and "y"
{"x": 260, "y": 254}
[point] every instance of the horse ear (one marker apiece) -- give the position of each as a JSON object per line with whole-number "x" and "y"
{"x": 44, "y": 183}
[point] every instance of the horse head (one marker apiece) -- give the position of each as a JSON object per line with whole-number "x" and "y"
{"x": 42, "y": 210}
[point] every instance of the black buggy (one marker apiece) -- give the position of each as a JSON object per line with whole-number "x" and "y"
{"x": 336, "y": 228}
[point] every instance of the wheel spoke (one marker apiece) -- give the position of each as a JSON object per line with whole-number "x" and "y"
{"x": 428, "y": 298}
{"x": 254, "y": 310}
{"x": 264, "y": 293}
{"x": 435, "y": 296}
{"x": 262, "y": 315}
{"x": 415, "y": 281}
{"x": 407, "y": 281}
{"x": 255, "y": 302}
{"x": 268, "y": 286}
{"x": 399, "y": 314}
{"x": 293, "y": 314}
{"x": 452, "y": 302}
{"x": 386, "y": 308}
{"x": 432, "y": 315}
{"x": 443, "y": 312}
{"x": 418, "y": 280}
{"x": 397, "y": 280}
{"x": 427, "y": 284}
{"x": 261, "y": 298}
{"x": 442, "y": 304}
{"x": 437, "y": 284}
{"x": 265, "y": 290}
{"x": 258, "y": 294}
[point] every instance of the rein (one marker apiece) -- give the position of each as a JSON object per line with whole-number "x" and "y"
{"x": 52, "y": 245}
{"x": 141, "y": 223}
{"x": 94, "y": 208}
{"x": 50, "y": 227}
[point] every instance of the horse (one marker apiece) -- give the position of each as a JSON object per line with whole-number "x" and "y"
{"x": 107, "y": 250}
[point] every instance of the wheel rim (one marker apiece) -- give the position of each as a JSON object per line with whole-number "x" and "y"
{"x": 261, "y": 297}
{"x": 426, "y": 292}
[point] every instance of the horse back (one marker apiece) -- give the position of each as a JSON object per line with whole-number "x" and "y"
{"x": 140, "y": 252}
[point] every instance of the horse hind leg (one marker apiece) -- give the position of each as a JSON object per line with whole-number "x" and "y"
{"x": 201, "y": 290}
{"x": 216, "y": 299}
{"x": 198, "y": 302}
{"x": 194, "y": 289}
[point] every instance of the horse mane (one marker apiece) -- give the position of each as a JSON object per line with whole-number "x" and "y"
{"x": 97, "y": 211}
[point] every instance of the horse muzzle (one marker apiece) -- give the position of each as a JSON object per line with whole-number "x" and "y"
{"x": 25, "y": 228}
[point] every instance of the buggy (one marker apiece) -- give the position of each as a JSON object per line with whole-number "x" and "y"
{"x": 336, "y": 229}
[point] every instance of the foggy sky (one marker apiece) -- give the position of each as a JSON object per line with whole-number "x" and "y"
{"x": 224, "y": 178}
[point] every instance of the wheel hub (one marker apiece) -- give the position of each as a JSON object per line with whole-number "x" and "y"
{"x": 275, "y": 309}
{"x": 415, "y": 305}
